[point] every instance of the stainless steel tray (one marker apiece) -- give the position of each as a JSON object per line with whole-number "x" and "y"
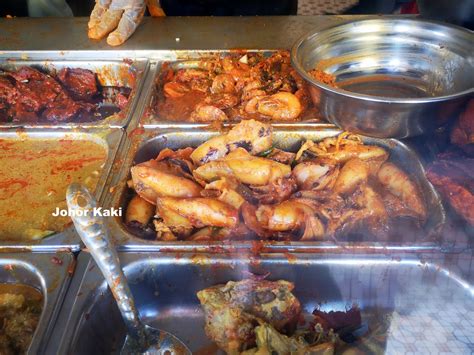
{"x": 51, "y": 274}
{"x": 192, "y": 59}
{"x": 144, "y": 144}
{"x": 129, "y": 73}
{"x": 165, "y": 286}
{"x": 109, "y": 138}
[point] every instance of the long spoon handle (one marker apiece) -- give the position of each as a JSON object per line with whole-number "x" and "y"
{"x": 91, "y": 228}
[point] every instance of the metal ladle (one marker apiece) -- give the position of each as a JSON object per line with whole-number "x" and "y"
{"x": 140, "y": 338}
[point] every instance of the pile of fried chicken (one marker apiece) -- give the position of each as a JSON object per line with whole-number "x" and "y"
{"x": 232, "y": 88}
{"x": 452, "y": 173}
{"x": 238, "y": 185}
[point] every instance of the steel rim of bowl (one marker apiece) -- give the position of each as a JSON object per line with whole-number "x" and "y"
{"x": 295, "y": 62}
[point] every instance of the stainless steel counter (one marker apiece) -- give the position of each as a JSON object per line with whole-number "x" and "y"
{"x": 66, "y": 34}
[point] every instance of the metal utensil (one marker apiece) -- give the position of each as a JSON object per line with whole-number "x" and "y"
{"x": 394, "y": 77}
{"x": 91, "y": 228}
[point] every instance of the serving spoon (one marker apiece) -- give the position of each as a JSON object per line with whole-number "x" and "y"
{"x": 91, "y": 228}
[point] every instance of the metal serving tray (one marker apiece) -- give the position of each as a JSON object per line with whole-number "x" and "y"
{"x": 109, "y": 138}
{"x": 145, "y": 144}
{"x": 193, "y": 59}
{"x": 165, "y": 287}
{"x": 51, "y": 274}
{"x": 129, "y": 73}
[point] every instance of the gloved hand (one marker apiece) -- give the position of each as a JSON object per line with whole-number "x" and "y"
{"x": 119, "y": 18}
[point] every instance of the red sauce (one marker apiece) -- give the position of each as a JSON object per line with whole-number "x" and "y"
{"x": 10, "y": 187}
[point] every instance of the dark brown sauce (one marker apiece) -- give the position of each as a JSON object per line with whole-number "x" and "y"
{"x": 178, "y": 109}
{"x": 207, "y": 350}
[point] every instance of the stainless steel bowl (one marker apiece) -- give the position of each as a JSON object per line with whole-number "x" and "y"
{"x": 394, "y": 77}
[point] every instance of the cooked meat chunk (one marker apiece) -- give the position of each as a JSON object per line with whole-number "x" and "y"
{"x": 37, "y": 90}
{"x": 232, "y": 311}
{"x": 462, "y": 134}
{"x": 338, "y": 320}
{"x": 29, "y": 95}
{"x": 251, "y": 86}
{"x": 81, "y": 83}
{"x": 8, "y": 92}
{"x": 453, "y": 176}
{"x": 63, "y": 110}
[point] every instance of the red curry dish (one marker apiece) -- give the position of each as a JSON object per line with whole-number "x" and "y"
{"x": 28, "y": 95}
{"x": 235, "y": 87}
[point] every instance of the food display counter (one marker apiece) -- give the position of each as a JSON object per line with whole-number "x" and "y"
{"x": 244, "y": 184}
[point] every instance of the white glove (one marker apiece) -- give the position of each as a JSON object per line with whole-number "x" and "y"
{"x": 119, "y": 18}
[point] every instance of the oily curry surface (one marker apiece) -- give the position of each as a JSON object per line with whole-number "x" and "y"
{"x": 34, "y": 175}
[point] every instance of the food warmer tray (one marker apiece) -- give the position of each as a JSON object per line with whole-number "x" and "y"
{"x": 192, "y": 59}
{"x": 110, "y": 72}
{"x": 165, "y": 285}
{"x": 143, "y": 144}
{"x": 51, "y": 274}
{"x": 109, "y": 138}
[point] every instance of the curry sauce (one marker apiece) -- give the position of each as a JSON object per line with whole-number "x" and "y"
{"x": 34, "y": 176}
{"x": 20, "y": 311}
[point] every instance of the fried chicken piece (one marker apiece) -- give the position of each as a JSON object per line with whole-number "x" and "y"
{"x": 233, "y": 310}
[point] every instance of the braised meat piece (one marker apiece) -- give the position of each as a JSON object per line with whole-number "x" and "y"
{"x": 14, "y": 102}
{"x": 453, "y": 172}
{"x": 27, "y": 92}
{"x": 233, "y": 311}
{"x": 29, "y": 95}
{"x": 37, "y": 90}
{"x": 453, "y": 176}
{"x": 8, "y": 92}
{"x": 462, "y": 134}
{"x": 63, "y": 109}
{"x": 338, "y": 320}
{"x": 80, "y": 83}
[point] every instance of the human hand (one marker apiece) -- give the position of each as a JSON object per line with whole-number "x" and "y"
{"x": 119, "y": 18}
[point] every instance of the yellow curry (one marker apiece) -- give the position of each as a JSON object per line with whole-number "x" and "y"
{"x": 34, "y": 175}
